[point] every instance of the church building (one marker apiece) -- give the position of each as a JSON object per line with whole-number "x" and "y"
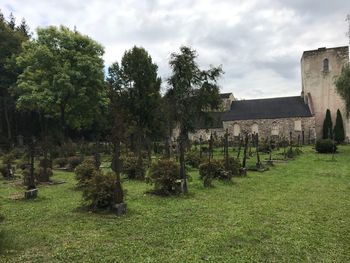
{"x": 299, "y": 116}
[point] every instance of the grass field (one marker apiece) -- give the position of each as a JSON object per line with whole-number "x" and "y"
{"x": 296, "y": 212}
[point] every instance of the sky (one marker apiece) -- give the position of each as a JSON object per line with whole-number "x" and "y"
{"x": 258, "y": 43}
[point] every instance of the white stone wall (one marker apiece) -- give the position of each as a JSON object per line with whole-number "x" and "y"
{"x": 319, "y": 84}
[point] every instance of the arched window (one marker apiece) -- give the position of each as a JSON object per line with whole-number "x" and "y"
{"x": 275, "y": 129}
{"x": 255, "y": 128}
{"x": 325, "y": 65}
{"x": 236, "y": 129}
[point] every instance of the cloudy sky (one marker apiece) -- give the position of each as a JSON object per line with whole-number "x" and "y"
{"x": 258, "y": 42}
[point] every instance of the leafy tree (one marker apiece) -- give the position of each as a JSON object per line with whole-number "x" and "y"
{"x": 11, "y": 40}
{"x": 328, "y": 126}
{"x": 339, "y": 134}
{"x": 192, "y": 91}
{"x": 342, "y": 84}
{"x": 62, "y": 77}
{"x": 140, "y": 85}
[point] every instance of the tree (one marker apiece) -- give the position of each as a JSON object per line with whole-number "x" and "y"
{"x": 62, "y": 77}
{"x": 342, "y": 84}
{"x": 328, "y": 126}
{"x": 137, "y": 78}
{"x": 339, "y": 134}
{"x": 11, "y": 40}
{"x": 192, "y": 91}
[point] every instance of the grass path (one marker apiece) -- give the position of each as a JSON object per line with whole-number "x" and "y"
{"x": 296, "y": 212}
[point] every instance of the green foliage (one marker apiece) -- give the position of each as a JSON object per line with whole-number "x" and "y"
{"x": 73, "y": 162}
{"x": 99, "y": 191}
{"x": 60, "y": 162}
{"x": 8, "y": 158}
{"x": 210, "y": 170}
{"x": 328, "y": 126}
{"x": 233, "y": 168}
{"x": 193, "y": 159}
{"x": 339, "y": 134}
{"x": 164, "y": 174}
{"x": 343, "y": 86}
{"x": 45, "y": 163}
{"x": 62, "y": 77}
{"x": 132, "y": 168}
{"x": 43, "y": 176}
{"x": 84, "y": 172}
{"x": 325, "y": 146}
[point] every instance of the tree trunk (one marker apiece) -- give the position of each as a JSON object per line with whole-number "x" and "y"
{"x": 7, "y": 119}
{"x": 116, "y": 167}
{"x": 182, "y": 147}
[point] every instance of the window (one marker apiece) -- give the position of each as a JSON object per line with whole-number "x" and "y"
{"x": 325, "y": 65}
{"x": 297, "y": 125}
{"x": 255, "y": 128}
{"x": 275, "y": 129}
{"x": 236, "y": 130}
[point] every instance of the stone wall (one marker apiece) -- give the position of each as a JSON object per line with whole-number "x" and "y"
{"x": 318, "y": 86}
{"x": 265, "y": 128}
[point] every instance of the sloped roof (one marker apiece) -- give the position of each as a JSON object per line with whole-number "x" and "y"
{"x": 273, "y": 108}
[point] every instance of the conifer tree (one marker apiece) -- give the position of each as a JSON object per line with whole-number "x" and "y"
{"x": 339, "y": 134}
{"x": 328, "y": 126}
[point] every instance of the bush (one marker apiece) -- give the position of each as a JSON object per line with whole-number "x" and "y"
{"x": 45, "y": 162}
{"x": 233, "y": 168}
{"x": 41, "y": 176}
{"x": 8, "y": 158}
{"x": 164, "y": 174}
{"x": 193, "y": 159}
{"x": 210, "y": 170}
{"x": 99, "y": 191}
{"x": 84, "y": 172}
{"x": 60, "y": 162}
{"x": 23, "y": 164}
{"x": 325, "y": 146}
{"x": 73, "y": 162}
{"x": 132, "y": 169}
{"x": 68, "y": 149}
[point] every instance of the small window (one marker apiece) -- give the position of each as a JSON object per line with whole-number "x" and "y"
{"x": 255, "y": 128}
{"x": 297, "y": 125}
{"x": 275, "y": 129}
{"x": 236, "y": 130}
{"x": 325, "y": 65}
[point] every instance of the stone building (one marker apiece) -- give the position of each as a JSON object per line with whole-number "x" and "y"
{"x": 299, "y": 116}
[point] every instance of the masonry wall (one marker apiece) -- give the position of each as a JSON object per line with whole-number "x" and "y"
{"x": 266, "y": 128}
{"x": 318, "y": 86}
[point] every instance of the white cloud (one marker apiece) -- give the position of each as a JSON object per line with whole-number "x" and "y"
{"x": 258, "y": 42}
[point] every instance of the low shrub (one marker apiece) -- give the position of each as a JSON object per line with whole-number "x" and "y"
{"x": 193, "y": 159}
{"x": 73, "y": 162}
{"x": 164, "y": 174}
{"x": 41, "y": 175}
{"x": 210, "y": 170}
{"x": 68, "y": 149}
{"x": 45, "y": 162}
{"x": 233, "y": 168}
{"x": 22, "y": 164}
{"x": 8, "y": 158}
{"x": 60, "y": 162}
{"x": 84, "y": 172}
{"x": 131, "y": 167}
{"x": 325, "y": 146}
{"x": 99, "y": 191}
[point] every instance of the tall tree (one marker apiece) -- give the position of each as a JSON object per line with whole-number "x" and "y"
{"x": 339, "y": 134}
{"x": 342, "y": 84}
{"x": 192, "y": 91}
{"x": 10, "y": 46}
{"x": 138, "y": 79}
{"x": 62, "y": 77}
{"x": 328, "y": 126}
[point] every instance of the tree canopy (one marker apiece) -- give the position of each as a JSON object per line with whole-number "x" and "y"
{"x": 328, "y": 126}
{"x": 343, "y": 86}
{"x": 62, "y": 77}
{"x": 339, "y": 134}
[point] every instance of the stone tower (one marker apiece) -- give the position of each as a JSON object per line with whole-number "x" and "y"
{"x": 319, "y": 69}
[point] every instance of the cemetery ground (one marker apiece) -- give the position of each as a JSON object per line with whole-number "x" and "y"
{"x": 296, "y": 212}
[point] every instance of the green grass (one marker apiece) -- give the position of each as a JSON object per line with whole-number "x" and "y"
{"x": 296, "y": 212}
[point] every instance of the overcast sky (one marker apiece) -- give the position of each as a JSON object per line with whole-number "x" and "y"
{"x": 259, "y": 43}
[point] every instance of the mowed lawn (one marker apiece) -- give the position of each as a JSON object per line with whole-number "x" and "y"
{"x": 296, "y": 212}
